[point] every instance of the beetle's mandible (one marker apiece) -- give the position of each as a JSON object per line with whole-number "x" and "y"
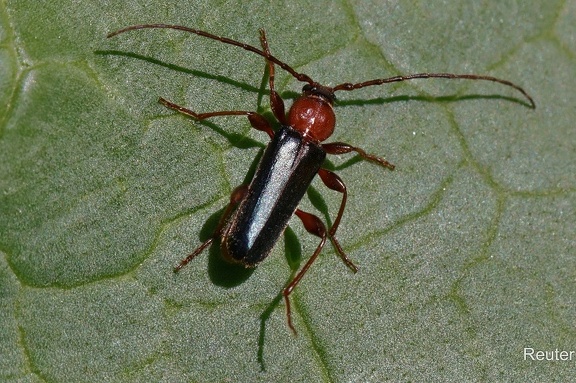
{"x": 258, "y": 213}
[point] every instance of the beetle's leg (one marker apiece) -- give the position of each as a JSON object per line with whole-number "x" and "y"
{"x": 342, "y": 148}
{"x": 333, "y": 182}
{"x": 257, "y": 121}
{"x": 237, "y": 195}
{"x": 276, "y": 102}
{"x": 314, "y": 226}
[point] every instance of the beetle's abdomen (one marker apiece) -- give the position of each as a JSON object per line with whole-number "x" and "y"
{"x": 284, "y": 173}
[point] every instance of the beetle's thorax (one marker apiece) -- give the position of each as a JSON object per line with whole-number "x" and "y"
{"x": 312, "y": 113}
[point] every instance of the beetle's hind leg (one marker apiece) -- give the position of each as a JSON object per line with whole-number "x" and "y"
{"x": 236, "y": 197}
{"x": 314, "y": 226}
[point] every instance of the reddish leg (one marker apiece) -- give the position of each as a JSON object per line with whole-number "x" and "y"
{"x": 276, "y": 102}
{"x": 333, "y": 182}
{"x": 237, "y": 195}
{"x": 314, "y": 226}
{"x": 342, "y": 148}
{"x": 257, "y": 121}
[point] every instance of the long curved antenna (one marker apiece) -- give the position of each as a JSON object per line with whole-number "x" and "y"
{"x": 305, "y": 78}
{"x": 298, "y": 76}
{"x": 350, "y": 86}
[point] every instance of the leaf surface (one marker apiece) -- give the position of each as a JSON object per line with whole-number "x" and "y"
{"x": 465, "y": 252}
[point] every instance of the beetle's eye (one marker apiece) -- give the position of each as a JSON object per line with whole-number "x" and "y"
{"x": 308, "y": 88}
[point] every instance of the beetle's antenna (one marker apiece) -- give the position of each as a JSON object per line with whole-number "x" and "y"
{"x": 305, "y": 78}
{"x": 350, "y": 86}
{"x": 298, "y": 76}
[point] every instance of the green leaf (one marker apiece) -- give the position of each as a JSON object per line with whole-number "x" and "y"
{"x": 465, "y": 252}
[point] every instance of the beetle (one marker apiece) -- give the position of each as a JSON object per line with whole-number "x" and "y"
{"x": 258, "y": 213}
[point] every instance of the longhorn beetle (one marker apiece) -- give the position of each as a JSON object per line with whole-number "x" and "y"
{"x": 258, "y": 213}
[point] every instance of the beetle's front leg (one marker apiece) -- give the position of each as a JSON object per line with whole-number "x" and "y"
{"x": 343, "y": 148}
{"x": 276, "y": 102}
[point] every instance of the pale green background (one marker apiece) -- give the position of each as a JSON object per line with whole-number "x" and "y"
{"x": 466, "y": 251}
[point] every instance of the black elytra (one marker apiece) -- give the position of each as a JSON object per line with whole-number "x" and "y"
{"x": 258, "y": 213}
{"x": 286, "y": 169}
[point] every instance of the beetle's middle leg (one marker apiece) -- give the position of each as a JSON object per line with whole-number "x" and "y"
{"x": 257, "y": 121}
{"x": 333, "y": 182}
